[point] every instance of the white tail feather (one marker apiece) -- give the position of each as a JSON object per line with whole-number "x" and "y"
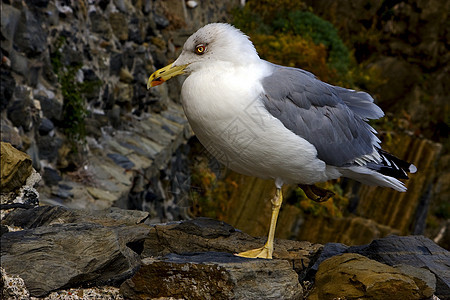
{"x": 371, "y": 177}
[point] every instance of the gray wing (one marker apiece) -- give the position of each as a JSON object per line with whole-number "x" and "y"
{"x": 329, "y": 117}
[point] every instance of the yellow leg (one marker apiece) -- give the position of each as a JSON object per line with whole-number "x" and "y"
{"x": 267, "y": 250}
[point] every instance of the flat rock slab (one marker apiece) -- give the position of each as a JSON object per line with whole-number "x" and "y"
{"x": 213, "y": 275}
{"x": 208, "y": 235}
{"x": 53, "y": 257}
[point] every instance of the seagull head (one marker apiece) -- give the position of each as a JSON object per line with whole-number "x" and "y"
{"x": 211, "y": 43}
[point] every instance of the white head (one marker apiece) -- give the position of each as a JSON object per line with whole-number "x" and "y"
{"x": 216, "y": 41}
{"x": 211, "y": 43}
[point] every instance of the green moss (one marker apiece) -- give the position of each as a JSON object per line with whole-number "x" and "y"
{"x": 74, "y": 108}
{"x": 307, "y": 24}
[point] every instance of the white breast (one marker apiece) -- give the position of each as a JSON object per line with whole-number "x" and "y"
{"x": 222, "y": 105}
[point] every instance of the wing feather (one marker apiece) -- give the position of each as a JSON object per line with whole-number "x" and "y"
{"x": 331, "y": 118}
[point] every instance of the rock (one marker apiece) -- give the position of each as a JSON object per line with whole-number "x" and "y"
{"x": 51, "y": 107}
{"x": 10, "y": 17}
{"x": 353, "y": 276}
{"x": 46, "y": 126}
{"x": 19, "y": 112}
{"x": 119, "y": 25}
{"x": 10, "y": 134}
{"x": 12, "y": 287}
{"x": 99, "y": 24}
{"x": 48, "y": 147}
{"x": 121, "y": 160}
{"x": 30, "y": 37}
{"x": 15, "y": 168}
{"x": 51, "y": 176}
{"x": 51, "y": 257}
{"x": 416, "y": 251}
{"x": 213, "y": 275}
{"x": 424, "y": 279}
{"x": 48, "y": 215}
{"x": 160, "y": 21}
{"x": 205, "y": 235}
{"x": 329, "y": 250}
{"x": 7, "y": 85}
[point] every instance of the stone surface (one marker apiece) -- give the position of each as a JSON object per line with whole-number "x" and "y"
{"x": 15, "y": 168}
{"x": 51, "y": 257}
{"x": 416, "y": 251}
{"x": 353, "y": 276}
{"x": 213, "y": 275}
{"x": 424, "y": 279}
{"x": 205, "y": 235}
{"x": 12, "y": 287}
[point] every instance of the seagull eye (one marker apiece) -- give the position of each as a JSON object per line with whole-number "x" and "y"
{"x": 200, "y": 49}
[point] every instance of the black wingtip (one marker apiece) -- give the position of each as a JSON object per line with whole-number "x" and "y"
{"x": 392, "y": 166}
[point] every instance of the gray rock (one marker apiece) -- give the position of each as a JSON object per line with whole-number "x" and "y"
{"x": 10, "y": 17}
{"x": 10, "y": 134}
{"x": 51, "y": 176}
{"x": 20, "y": 112}
{"x": 48, "y": 215}
{"x": 46, "y": 126}
{"x": 161, "y": 21}
{"x": 48, "y": 147}
{"x": 121, "y": 160}
{"x": 64, "y": 255}
{"x": 424, "y": 279}
{"x": 51, "y": 107}
{"x": 7, "y": 85}
{"x": 30, "y": 37}
{"x": 213, "y": 275}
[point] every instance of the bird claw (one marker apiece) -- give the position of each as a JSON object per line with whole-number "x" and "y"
{"x": 316, "y": 193}
{"x": 263, "y": 252}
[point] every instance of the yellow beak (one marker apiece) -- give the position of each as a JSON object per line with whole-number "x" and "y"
{"x": 164, "y": 74}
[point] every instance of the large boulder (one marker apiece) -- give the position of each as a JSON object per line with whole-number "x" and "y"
{"x": 15, "y": 168}
{"x": 353, "y": 276}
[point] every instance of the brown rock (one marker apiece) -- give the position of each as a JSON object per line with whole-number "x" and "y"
{"x": 15, "y": 168}
{"x": 353, "y": 276}
{"x": 213, "y": 275}
{"x": 424, "y": 279}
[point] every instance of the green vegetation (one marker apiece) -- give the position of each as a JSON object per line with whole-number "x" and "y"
{"x": 287, "y": 34}
{"x": 209, "y": 195}
{"x": 74, "y": 108}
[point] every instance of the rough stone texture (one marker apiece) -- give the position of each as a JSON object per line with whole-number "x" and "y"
{"x": 416, "y": 251}
{"x": 353, "y": 276}
{"x": 403, "y": 251}
{"x": 12, "y": 287}
{"x": 15, "y": 168}
{"x": 59, "y": 247}
{"x": 424, "y": 279}
{"x": 213, "y": 275}
{"x": 49, "y": 258}
{"x": 111, "y": 46}
{"x": 204, "y": 235}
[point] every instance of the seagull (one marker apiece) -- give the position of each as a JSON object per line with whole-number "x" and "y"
{"x": 275, "y": 122}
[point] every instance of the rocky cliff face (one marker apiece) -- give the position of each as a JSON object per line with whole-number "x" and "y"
{"x": 74, "y": 97}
